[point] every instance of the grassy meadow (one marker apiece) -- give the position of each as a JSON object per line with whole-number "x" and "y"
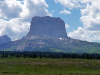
{"x": 49, "y": 66}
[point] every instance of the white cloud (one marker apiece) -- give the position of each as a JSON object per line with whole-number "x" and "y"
{"x": 90, "y": 17}
{"x": 85, "y": 35}
{"x": 69, "y": 3}
{"x": 15, "y": 16}
{"x": 73, "y": 3}
{"x": 91, "y": 20}
{"x": 34, "y": 8}
{"x": 66, "y": 26}
{"x": 13, "y": 28}
{"x": 10, "y": 9}
{"x": 65, "y": 12}
{"x": 85, "y": 1}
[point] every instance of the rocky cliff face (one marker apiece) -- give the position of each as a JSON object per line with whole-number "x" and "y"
{"x": 4, "y": 39}
{"x": 56, "y": 39}
{"x": 47, "y": 26}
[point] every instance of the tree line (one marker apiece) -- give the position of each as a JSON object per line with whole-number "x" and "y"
{"x": 26, "y": 54}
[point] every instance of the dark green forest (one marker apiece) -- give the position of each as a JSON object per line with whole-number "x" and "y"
{"x": 26, "y": 54}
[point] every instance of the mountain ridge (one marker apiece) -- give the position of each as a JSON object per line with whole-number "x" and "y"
{"x": 39, "y": 39}
{"x": 4, "y": 39}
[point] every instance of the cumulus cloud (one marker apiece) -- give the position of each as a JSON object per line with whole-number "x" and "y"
{"x": 10, "y": 9}
{"x": 85, "y": 35}
{"x": 13, "y": 28}
{"x": 34, "y": 8}
{"x": 90, "y": 17}
{"x": 15, "y": 16}
{"x": 65, "y": 12}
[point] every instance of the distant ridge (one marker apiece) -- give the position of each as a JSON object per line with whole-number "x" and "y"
{"x": 48, "y": 34}
{"x": 4, "y": 39}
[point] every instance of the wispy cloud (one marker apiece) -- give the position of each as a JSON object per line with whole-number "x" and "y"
{"x": 65, "y": 12}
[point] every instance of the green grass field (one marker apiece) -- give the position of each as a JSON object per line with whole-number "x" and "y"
{"x": 48, "y": 66}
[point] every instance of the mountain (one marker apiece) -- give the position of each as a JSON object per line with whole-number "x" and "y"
{"x": 49, "y": 34}
{"x": 47, "y": 26}
{"x": 4, "y": 39}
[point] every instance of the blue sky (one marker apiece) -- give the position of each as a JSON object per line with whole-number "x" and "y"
{"x": 73, "y": 19}
{"x": 81, "y": 17}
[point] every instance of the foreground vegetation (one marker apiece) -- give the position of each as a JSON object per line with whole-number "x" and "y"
{"x": 49, "y": 63}
{"x": 49, "y": 66}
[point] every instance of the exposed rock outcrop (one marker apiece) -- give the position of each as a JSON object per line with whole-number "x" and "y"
{"x": 47, "y": 26}
{"x": 48, "y": 34}
{"x": 4, "y": 39}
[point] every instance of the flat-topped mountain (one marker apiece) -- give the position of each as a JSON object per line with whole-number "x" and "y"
{"x": 4, "y": 39}
{"x": 49, "y": 34}
{"x": 47, "y": 26}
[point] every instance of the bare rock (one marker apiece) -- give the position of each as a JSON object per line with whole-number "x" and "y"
{"x": 47, "y": 26}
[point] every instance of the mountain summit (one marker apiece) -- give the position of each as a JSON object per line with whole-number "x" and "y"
{"x": 47, "y": 26}
{"x": 4, "y": 39}
{"x": 48, "y": 34}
